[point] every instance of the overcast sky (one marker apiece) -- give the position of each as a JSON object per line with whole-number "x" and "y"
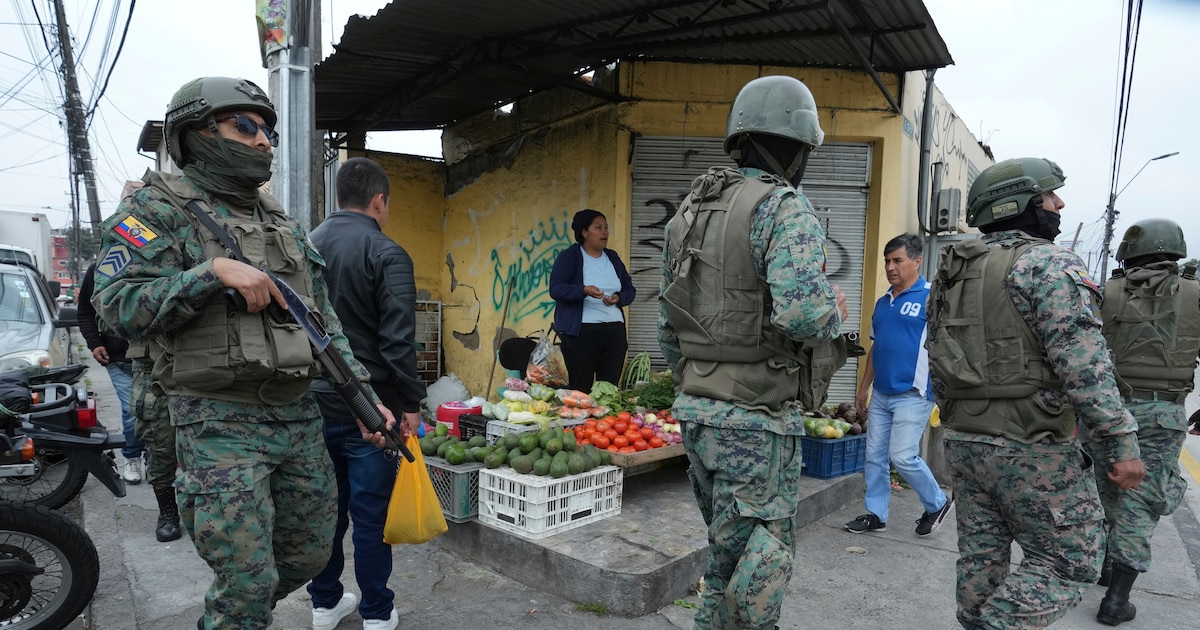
{"x": 1031, "y": 78}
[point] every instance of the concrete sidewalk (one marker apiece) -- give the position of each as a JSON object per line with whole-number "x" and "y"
{"x": 902, "y": 581}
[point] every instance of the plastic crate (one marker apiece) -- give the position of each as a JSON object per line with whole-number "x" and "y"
{"x": 457, "y": 487}
{"x": 535, "y": 507}
{"x": 472, "y": 424}
{"x": 826, "y": 459}
{"x": 499, "y": 428}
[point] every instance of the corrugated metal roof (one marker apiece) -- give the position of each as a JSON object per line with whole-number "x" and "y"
{"x": 422, "y": 64}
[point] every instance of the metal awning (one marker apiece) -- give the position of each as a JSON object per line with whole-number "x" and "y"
{"x": 424, "y": 64}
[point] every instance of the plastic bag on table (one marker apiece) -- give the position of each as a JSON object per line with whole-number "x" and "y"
{"x": 546, "y": 364}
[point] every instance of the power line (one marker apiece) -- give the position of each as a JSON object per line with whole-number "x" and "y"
{"x": 116, "y": 58}
{"x": 1132, "y": 27}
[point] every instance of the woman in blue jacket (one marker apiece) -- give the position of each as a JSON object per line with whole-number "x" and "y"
{"x": 591, "y": 287}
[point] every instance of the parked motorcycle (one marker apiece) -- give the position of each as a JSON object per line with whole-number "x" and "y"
{"x": 51, "y": 439}
{"x": 49, "y": 568}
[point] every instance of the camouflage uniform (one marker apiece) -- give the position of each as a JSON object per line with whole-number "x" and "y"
{"x": 1131, "y": 515}
{"x": 154, "y": 424}
{"x": 1043, "y": 494}
{"x": 745, "y": 464}
{"x": 256, "y": 491}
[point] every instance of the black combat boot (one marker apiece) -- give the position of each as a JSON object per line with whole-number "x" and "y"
{"x": 1105, "y": 572}
{"x": 1116, "y": 608}
{"x": 168, "y": 515}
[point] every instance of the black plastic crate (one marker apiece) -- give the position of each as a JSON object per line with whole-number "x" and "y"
{"x": 472, "y": 424}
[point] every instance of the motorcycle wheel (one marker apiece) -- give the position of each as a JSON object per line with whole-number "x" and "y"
{"x": 70, "y": 568}
{"x": 56, "y": 480}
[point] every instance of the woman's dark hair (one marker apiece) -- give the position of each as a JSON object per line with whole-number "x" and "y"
{"x": 582, "y": 221}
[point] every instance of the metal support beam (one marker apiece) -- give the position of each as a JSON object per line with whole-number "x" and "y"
{"x": 862, "y": 56}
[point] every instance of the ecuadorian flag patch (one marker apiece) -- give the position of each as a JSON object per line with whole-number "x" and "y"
{"x": 1085, "y": 280}
{"x": 134, "y": 232}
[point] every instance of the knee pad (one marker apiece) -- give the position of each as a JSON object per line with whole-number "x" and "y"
{"x": 755, "y": 592}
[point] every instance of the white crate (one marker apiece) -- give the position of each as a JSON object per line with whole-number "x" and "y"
{"x": 499, "y": 428}
{"x": 534, "y": 507}
{"x": 456, "y": 486}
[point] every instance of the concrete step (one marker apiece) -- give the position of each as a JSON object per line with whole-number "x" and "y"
{"x": 635, "y": 562}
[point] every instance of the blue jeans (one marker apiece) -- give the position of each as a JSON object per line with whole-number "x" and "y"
{"x": 894, "y": 429}
{"x": 121, "y": 375}
{"x": 365, "y": 476}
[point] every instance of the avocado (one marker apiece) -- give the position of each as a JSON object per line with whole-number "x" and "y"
{"x": 536, "y": 454}
{"x": 558, "y": 469}
{"x": 455, "y": 454}
{"x": 593, "y": 455}
{"x": 576, "y": 464}
{"x": 605, "y": 458}
{"x": 496, "y": 459}
{"x": 427, "y": 447}
{"x": 541, "y": 467}
{"x": 528, "y": 442}
{"x": 479, "y": 453}
{"x": 545, "y": 436}
{"x": 477, "y": 440}
{"x": 468, "y": 455}
{"x": 512, "y": 440}
{"x": 441, "y": 430}
{"x": 521, "y": 464}
{"x": 568, "y": 441}
{"x": 554, "y": 446}
{"x": 441, "y": 450}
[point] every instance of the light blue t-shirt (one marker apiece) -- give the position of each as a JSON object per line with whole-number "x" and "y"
{"x": 600, "y": 273}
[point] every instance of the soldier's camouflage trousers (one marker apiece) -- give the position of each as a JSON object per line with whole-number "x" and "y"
{"x": 153, "y": 427}
{"x": 747, "y": 485}
{"x": 1044, "y": 497}
{"x": 1132, "y": 515}
{"x": 258, "y": 498}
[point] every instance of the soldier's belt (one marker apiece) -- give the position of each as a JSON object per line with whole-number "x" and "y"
{"x": 1145, "y": 394}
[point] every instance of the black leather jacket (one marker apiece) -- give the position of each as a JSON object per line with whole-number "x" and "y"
{"x": 89, "y": 324}
{"x": 372, "y": 289}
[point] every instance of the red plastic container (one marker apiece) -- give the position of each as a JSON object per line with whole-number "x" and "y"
{"x": 448, "y": 413}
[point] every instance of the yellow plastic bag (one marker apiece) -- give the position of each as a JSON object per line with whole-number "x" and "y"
{"x": 414, "y": 515}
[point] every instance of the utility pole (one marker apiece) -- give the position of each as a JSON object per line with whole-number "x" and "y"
{"x": 77, "y": 138}
{"x": 290, "y": 84}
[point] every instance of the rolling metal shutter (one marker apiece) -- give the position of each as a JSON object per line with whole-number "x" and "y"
{"x": 836, "y": 182}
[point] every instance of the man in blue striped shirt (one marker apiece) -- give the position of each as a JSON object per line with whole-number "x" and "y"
{"x": 897, "y": 375}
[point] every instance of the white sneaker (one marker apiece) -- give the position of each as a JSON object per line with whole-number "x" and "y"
{"x": 382, "y": 624}
{"x": 329, "y": 618}
{"x": 133, "y": 470}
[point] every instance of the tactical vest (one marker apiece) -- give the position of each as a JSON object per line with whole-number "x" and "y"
{"x": 1152, "y": 325}
{"x": 989, "y": 359}
{"x": 228, "y": 354}
{"x": 721, "y": 310}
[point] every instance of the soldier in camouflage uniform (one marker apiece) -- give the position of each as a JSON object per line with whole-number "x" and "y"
{"x": 155, "y": 430}
{"x": 1016, "y": 354}
{"x": 1151, "y": 315}
{"x": 750, "y": 243}
{"x": 256, "y": 488}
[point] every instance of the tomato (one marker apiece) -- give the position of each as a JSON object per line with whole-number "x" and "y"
{"x": 646, "y": 433}
{"x": 656, "y": 442}
{"x": 590, "y": 422}
{"x": 624, "y": 416}
{"x": 603, "y": 425}
{"x": 600, "y": 441}
{"x": 620, "y": 427}
{"x": 610, "y": 434}
{"x": 641, "y": 445}
{"x": 612, "y": 449}
{"x": 620, "y": 441}
{"x": 627, "y": 450}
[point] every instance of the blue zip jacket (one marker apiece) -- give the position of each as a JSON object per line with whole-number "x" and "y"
{"x": 566, "y": 288}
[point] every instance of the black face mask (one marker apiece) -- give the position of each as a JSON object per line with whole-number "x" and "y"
{"x": 1035, "y": 221}
{"x": 1049, "y": 221}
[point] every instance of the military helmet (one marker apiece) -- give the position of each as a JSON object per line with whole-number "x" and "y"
{"x": 1004, "y": 189}
{"x": 200, "y": 98}
{"x": 774, "y": 105}
{"x": 1152, "y": 236}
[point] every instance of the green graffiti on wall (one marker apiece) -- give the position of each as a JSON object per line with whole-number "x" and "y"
{"x": 530, "y": 270}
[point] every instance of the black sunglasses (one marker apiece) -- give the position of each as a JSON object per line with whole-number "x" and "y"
{"x": 249, "y": 127}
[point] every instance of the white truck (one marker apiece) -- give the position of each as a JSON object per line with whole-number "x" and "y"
{"x": 22, "y": 233}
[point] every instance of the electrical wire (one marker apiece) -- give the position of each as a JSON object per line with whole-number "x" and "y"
{"x": 1132, "y": 27}
{"x": 116, "y": 58}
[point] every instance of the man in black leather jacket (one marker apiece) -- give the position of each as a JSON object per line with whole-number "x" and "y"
{"x": 109, "y": 351}
{"x": 372, "y": 289}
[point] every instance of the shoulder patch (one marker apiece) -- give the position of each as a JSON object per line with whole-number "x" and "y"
{"x": 134, "y": 231}
{"x": 1081, "y": 278}
{"x": 115, "y": 259}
